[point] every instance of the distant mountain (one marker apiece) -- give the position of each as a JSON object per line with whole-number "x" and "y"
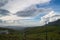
{"x": 14, "y": 27}
{"x": 55, "y": 23}
{"x": 51, "y": 31}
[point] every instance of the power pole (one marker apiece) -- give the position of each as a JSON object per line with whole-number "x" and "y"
{"x": 24, "y": 35}
{"x": 46, "y": 33}
{"x": 46, "y": 29}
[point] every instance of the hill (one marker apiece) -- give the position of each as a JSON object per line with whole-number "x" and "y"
{"x": 55, "y": 23}
{"x": 12, "y": 34}
{"x": 51, "y": 31}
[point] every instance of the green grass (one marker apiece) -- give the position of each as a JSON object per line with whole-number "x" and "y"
{"x": 39, "y": 33}
{"x": 35, "y": 33}
{"x": 13, "y": 35}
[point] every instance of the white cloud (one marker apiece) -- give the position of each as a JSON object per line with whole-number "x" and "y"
{"x": 25, "y": 21}
{"x": 54, "y": 18}
{"x": 30, "y": 23}
{"x": 22, "y": 5}
{"x": 18, "y": 5}
{"x": 3, "y": 12}
{"x": 49, "y": 14}
{"x": 3, "y": 2}
{"x": 51, "y": 17}
{"x": 33, "y": 13}
{"x": 13, "y": 17}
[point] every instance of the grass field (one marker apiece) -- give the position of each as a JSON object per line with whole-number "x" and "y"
{"x": 34, "y": 33}
{"x": 50, "y": 31}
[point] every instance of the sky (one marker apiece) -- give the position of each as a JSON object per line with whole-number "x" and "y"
{"x": 28, "y": 13}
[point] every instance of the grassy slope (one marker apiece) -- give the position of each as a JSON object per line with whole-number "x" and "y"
{"x": 39, "y": 33}
{"x": 13, "y": 35}
{"x": 35, "y": 33}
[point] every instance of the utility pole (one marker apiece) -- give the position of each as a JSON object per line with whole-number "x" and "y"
{"x": 46, "y": 21}
{"x": 46, "y": 30}
{"x": 24, "y": 34}
{"x": 46, "y": 33}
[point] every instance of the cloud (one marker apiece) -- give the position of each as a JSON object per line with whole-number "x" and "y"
{"x": 25, "y": 13}
{"x": 26, "y": 21}
{"x": 3, "y": 12}
{"x": 29, "y": 13}
{"x": 49, "y": 14}
{"x": 51, "y": 17}
{"x": 33, "y": 11}
{"x": 3, "y": 2}
{"x": 32, "y": 23}
{"x": 1, "y": 21}
{"x": 19, "y": 5}
{"x": 13, "y": 17}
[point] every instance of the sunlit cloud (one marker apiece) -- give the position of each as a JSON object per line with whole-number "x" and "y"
{"x": 25, "y": 13}
{"x": 19, "y": 5}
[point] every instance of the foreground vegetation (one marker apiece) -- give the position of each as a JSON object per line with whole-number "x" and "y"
{"x": 39, "y": 33}
{"x": 12, "y": 35}
{"x": 49, "y": 32}
{"x": 35, "y": 33}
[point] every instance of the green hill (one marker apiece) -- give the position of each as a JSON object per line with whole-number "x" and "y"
{"x": 50, "y": 31}
{"x": 12, "y": 35}
{"x": 39, "y": 33}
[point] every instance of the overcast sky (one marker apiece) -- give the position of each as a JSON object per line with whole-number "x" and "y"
{"x": 28, "y": 12}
